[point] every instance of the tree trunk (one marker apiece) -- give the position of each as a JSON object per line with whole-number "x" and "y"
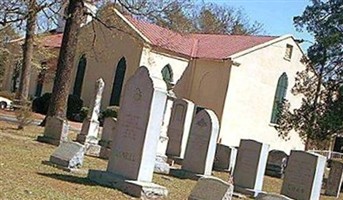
{"x": 60, "y": 92}
{"x": 24, "y": 84}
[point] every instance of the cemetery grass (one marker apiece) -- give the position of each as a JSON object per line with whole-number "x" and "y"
{"x": 23, "y": 176}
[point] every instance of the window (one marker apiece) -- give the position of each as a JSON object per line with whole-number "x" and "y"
{"x": 280, "y": 95}
{"x": 80, "y": 75}
{"x": 289, "y": 51}
{"x": 167, "y": 75}
{"x": 118, "y": 82}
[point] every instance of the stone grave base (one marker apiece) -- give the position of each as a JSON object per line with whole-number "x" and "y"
{"x": 105, "y": 153}
{"x": 275, "y": 174}
{"x": 92, "y": 149}
{"x": 161, "y": 165}
{"x": 246, "y": 191}
{"x": 48, "y": 140}
{"x": 271, "y": 196}
{"x": 71, "y": 170}
{"x": 138, "y": 189}
{"x": 183, "y": 174}
{"x": 175, "y": 159}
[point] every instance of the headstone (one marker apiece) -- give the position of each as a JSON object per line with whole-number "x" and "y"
{"x": 250, "y": 167}
{"x": 179, "y": 127}
{"x": 90, "y": 126}
{"x": 201, "y": 146}
{"x": 108, "y": 132}
{"x": 225, "y": 158}
{"x": 133, "y": 152}
{"x": 211, "y": 188}
{"x": 68, "y": 154}
{"x": 303, "y": 175}
{"x": 334, "y": 181}
{"x": 276, "y": 163}
{"x": 161, "y": 165}
{"x": 55, "y": 131}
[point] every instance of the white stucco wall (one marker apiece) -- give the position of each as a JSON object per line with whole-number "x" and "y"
{"x": 249, "y": 101}
{"x": 155, "y": 61}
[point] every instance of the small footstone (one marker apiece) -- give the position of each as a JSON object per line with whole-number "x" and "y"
{"x": 68, "y": 154}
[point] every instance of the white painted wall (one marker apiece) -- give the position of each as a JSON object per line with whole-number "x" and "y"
{"x": 249, "y": 100}
{"x": 155, "y": 62}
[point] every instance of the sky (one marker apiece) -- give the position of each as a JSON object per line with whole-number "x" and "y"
{"x": 275, "y": 15}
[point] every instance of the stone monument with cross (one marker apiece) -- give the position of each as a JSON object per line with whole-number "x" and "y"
{"x": 90, "y": 126}
{"x": 134, "y": 147}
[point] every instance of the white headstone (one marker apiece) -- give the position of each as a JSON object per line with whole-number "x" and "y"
{"x": 179, "y": 127}
{"x": 211, "y": 188}
{"x": 304, "y": 175}
{"x": 334, "y": 181}
{"x": 225, "y": 158}
{"x": 201, "y": 146}
{"x": 250, "y": 166}
{"x": 90, "y": 127}
{"x": 138, "y": 127}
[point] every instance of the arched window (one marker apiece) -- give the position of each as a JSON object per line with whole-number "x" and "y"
{"x": 280, "y": 95}
{"x": 118, "y": 82}
{"x": 80, "y": 75}
{"x": 167, "y": 75}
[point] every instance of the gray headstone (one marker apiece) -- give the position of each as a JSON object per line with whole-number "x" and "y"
{"x": 303, "y": 175}
{"x": 68, "y": 154}
{"x": 276, "y": 163}
{"x": 225, "y": 158}
{"x": 90, "y": 126}
{"x": 334, "y": 181}
{"x": 138, "y": 127}
{"x": 55, "y": 131}
{"x": 108, "y": 131}
{"x": 211, "y": 188}
{"x": 179, "y": 127}
{"x": 201, "y": 146}
{"x": 250, "y": 167}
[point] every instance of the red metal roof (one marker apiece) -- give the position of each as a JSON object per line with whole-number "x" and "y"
{"x": 210, "y": 46}
{"x": 52, "y": 41}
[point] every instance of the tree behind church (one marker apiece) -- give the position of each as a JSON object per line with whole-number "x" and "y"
{"x": 320, "y": 115}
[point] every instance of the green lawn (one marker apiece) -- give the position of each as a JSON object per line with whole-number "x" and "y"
{"x": 22, "y": 176}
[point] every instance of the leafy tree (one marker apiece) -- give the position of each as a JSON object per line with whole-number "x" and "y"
{"x": 320, "y": 115}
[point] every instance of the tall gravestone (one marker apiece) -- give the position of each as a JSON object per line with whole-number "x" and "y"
{"x": 250, "y": 167}
{"x": 131, "y": 163}
{"x": 108, "y": 132}
{"x": 225, "y": 158}
{"x": 179, "y": 127}
{"x": 304, "y": 175}
{"x": 334, "y": 181}
{"x": 90, "y": 126}
{"x": 161, "y": 165}
{"x": 201, "y": 146}
{"x": 55, "y": 131}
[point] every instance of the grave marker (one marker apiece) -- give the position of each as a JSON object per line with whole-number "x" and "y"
{"x": 211, "y": 188}
{"x": 133, "y": 152}
{"x": 181, "y": 118}
{"x": 250, "y": 167}
{"x": 225, "y": 158}
{"x": 201, "y": 146}
{"x": 303, "y": 175}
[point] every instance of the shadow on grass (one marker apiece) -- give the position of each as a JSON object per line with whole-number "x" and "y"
{"x": 69, "y": 178}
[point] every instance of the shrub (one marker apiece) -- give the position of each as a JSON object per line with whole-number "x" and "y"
{"x": 41, "y": 105}
{"x": 111, "y": 111}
